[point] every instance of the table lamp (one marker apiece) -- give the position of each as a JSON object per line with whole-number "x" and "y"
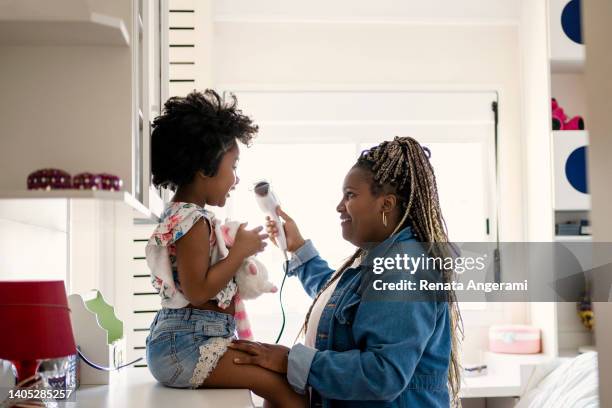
{"x": 34, "y": 324}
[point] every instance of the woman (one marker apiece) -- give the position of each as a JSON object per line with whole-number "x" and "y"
{"x": 372, "y": 353}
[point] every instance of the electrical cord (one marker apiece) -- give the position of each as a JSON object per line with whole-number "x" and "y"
{"x": 102, "y": 368}
{"x": 280, "y": 298}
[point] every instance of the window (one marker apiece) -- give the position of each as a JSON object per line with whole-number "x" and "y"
{"x": 305, "y": 154}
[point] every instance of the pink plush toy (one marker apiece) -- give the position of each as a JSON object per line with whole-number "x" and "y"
{"x": 559, "y": 119}
{"x": 251, "y": 278}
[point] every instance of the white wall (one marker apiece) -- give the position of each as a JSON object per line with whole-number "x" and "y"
{"x": 350, "y": 55}
{"x": 438, "y": 10}
{"x": 346, "y": 56}
{"x": 537, "y": 176}
{"x": 67, "y": 107}
{"x": 74, "y": 83}
{"x": 33, "y": 240}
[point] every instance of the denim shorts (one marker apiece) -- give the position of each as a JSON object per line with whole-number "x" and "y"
{"x": 184, "y": 345}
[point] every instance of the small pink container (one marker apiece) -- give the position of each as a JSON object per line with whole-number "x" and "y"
{"x": 514, "y": 339}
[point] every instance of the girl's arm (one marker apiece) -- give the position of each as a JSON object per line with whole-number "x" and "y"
{"x": 310, "y": 268}
{"x": 199, "y": 282}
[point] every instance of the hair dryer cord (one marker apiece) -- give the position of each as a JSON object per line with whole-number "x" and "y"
{"x": 280, "y": 298}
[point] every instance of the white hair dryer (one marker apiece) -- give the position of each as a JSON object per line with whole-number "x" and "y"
{"x": 268, "y": 202}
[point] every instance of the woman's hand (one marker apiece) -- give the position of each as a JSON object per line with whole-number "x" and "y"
{"x": 274, "y": 357}
{"x": 292, "y": 233}
{"x": 248, "y": 242}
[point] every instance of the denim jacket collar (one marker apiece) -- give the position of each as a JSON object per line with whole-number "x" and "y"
{"x": 382, "y": 248}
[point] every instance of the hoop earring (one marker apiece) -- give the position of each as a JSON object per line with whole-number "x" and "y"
{"x": 384, "y": 217}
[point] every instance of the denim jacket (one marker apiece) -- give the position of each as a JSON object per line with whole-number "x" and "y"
{"x": 370, "y": 353}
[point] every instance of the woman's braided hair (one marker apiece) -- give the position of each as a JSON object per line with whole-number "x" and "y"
{"x": 402, "y": 167}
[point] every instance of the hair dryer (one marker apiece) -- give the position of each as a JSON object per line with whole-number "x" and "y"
{"x": 268, "y": 202}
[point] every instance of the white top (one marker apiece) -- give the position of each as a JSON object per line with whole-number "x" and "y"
{"x": 317, "y": 310}
{"x": 315, "y": 314}
{"x": 175, "y": 222}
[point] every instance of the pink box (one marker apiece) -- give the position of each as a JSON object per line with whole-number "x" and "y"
{"x": 514, "y": 339}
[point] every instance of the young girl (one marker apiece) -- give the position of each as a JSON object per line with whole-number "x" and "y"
{"x": 194, "y": 152}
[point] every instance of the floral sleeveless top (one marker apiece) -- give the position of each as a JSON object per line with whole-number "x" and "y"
{"x": 176, "y": 220}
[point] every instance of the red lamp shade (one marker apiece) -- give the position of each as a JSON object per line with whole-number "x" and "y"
{"x": 34, "y": 322}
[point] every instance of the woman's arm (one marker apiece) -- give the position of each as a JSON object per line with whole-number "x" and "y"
{"x": 305, "y": 261}
{"x": 310, "y": 268}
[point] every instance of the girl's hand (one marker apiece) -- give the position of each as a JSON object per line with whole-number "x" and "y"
{"x": 248, "y": 242}
{"x": 271, "y": 356}
{"x": 292, "y": 233}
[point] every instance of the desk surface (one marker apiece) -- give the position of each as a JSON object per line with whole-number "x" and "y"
{"x": 507, "y": 375}
{"x": 136, "y": 387}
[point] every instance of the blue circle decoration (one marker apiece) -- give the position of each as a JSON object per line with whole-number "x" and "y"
{"x": 571, "y": 21}
{"x": 576, "y": 170}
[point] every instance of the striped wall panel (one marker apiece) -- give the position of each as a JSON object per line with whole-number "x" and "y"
{"x": 182, "y": 43}
{"x": 144, "y": 300}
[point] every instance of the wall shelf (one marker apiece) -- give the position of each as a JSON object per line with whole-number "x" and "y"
{"x": 120, "y": 196}
{"x": 61, "y": 22}
{"x": 559, "y": 66}
{"x": 566, "y": 54}
{"x": 571, "y": 133}
{"x": 573, "y": 238}
{"x": 569, "y": 157}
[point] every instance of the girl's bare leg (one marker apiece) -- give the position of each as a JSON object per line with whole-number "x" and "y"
{"x": 271, "y": 386}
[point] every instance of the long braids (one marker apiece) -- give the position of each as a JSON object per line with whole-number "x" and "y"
{"x": 403, "y": 165}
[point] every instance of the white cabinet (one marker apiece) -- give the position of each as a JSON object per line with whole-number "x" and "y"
{"x": 570, "y": 187}
{"x": 552, "y": 67}
{"x": 60, "y": 22}
{"x": 80, "y": 84}
{"x": 566, "y": 48}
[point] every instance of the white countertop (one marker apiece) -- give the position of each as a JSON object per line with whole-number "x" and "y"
{"x": 507, "y": 375}
{"x": 136, "y": 387}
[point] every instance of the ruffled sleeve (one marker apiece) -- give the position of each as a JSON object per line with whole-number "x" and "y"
{"x": 176, "y": 221}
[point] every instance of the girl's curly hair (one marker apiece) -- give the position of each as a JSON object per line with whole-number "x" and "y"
{"x": 192, "y": 134}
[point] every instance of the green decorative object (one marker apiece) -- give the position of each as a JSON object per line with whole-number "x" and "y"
{"x": 105, "y": 315}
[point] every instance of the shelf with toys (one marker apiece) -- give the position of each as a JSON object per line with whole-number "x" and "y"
{"x": 569, "y": 153}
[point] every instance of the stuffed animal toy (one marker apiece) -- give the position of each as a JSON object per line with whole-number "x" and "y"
{"x": 560, "y": 120}
{"x": 251, "y": 278}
